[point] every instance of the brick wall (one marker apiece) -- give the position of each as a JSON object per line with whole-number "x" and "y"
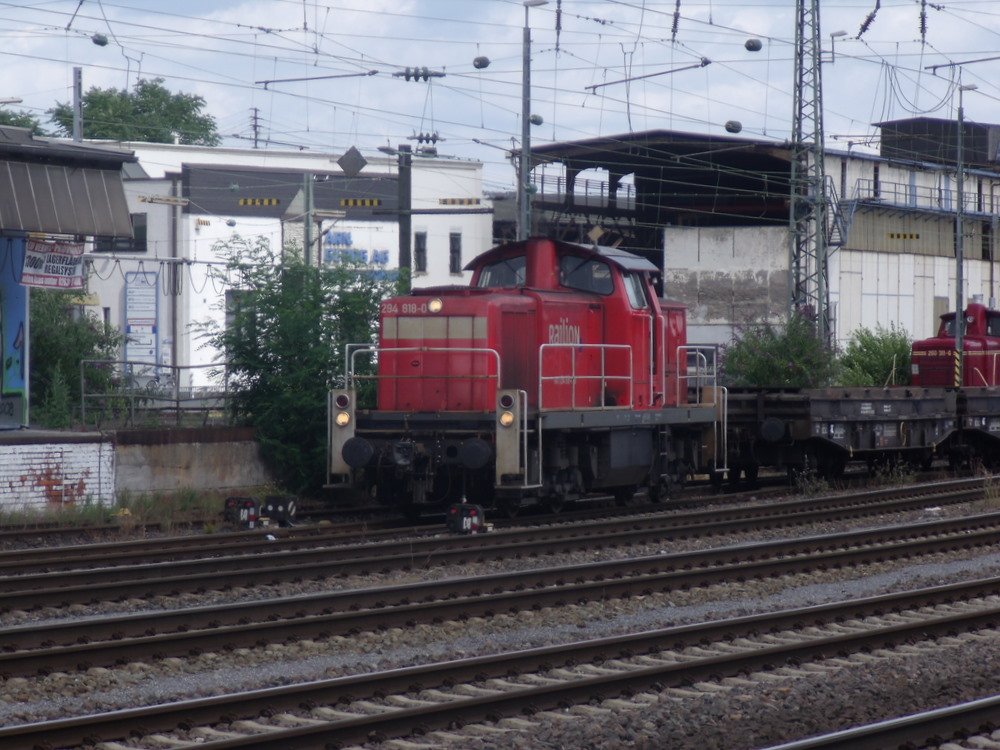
{"x": 51, "y": 475}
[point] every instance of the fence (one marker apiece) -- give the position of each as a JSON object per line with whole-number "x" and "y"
{"x": 116, "y": 393}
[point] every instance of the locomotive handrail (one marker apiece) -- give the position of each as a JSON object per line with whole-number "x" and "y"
{"x": 573, "y": 377}
{"x": 704, "y": 375}
{"x": 350, "y": 357}
{"x": 522, "y": 396}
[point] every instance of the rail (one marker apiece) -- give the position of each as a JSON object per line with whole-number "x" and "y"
{"x": 705, "y": 378}
{"x": 130, "y": 393}
{"x": 351, "y": 376}
{"x": 572, "y": 379}
{"x": 942, "y": 198}
{"x": 522, "y": 396}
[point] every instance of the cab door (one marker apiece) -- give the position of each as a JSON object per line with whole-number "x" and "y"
{"x": 643, "y": 330}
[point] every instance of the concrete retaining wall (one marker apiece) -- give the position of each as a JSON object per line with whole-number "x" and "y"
{"x": 40, "y": 470}
{"x": 169, "y": 460}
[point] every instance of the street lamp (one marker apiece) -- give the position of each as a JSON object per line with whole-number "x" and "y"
{"x": 523, "y": 193}
{"x": 959, "y": 240}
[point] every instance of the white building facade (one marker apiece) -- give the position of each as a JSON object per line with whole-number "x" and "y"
{"x": 164, "y": 286}
{"x": 896, "y": 263}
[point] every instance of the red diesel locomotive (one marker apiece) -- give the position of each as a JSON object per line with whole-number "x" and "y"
{"x": 934, "y": 359}
{"x": 558, "y": 372}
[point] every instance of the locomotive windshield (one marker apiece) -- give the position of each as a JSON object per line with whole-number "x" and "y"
{"x": 585, "y": 274}
{"x": 507, "y": 272}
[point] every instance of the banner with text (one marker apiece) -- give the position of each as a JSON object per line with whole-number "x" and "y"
{"x": 53, "y": 265}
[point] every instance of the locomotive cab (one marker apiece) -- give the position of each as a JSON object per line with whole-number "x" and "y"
{"x": 554, "y": 374}
{"x": 934, "y": 360}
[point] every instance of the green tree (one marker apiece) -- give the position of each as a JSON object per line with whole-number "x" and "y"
{"x": 286, "y": 329}
{"x": 877, "y": 358}
{"x": 21, "y": 120}
{"x": 149, "y": 113}
{"x": 769, "y": 356}
{"x": 61, "y": 336}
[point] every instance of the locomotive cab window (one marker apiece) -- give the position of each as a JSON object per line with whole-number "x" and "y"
{"x": 993, "y": 325}
{"x": 507, "y": 272}
{"x": 635, "y": 289}
{"x": 949, "y": 327}
{"x": 585, "y": 274}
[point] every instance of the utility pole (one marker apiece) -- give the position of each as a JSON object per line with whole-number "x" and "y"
{"x": 307, "y": 216}
{"x": 78, "y": 104}
{"x": 405, "y": 185}
{"x": 524, "y": 165}
{"x": 960, "y": 238}
{"x": 808, "y": 277}
{"x": 255, "y": 124}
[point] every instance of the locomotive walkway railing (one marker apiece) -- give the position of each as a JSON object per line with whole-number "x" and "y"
{"x": 572, "y": 379}
{"x": 698, "y": 380}
{"x": 352, "y": 377}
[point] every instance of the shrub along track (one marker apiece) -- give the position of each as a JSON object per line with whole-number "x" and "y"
{"x": 628, "y": 672}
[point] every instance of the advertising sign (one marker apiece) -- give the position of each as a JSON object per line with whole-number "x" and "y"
{"x": 141, "y": 316}
{"x": 53, "y": 265}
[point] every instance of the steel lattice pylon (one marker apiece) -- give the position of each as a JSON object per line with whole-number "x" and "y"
{"x": 808, "y": 288}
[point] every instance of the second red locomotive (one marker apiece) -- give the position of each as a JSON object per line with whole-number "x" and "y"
{"x": 558, "y": 372}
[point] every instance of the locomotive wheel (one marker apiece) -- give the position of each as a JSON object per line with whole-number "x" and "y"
{"x": 412, "y": 512}
{"x": 659, "y": 489}
{"x": 624, "y": 495}
{"x": 509, "y": 507}
{"x": 555, "y": 503}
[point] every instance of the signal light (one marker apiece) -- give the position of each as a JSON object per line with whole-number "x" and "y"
{"x": 506, "y": 419}
{"x": 342, "y": 401}
{"x": 506, "y": 401}
{"x": 343, "y": 419}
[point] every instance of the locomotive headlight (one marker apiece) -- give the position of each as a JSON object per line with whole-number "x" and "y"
{"x": 343, "y": 419}
{"x": 435, "y": 305}
{"x": 506, "y": 419}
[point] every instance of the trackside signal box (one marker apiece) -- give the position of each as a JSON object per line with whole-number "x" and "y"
{"x": 463, "y": 518}
{"x": 242, "y": 512}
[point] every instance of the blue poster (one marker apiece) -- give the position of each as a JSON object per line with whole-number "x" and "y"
{"x": 13, "y": 335}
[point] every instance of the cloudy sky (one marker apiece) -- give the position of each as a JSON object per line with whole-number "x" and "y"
{"x": 233, "y": 52}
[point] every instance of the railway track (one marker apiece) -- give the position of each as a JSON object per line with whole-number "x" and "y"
{"x": 531, "y": 685}
{"x": 81, "y": 643}
{"x": 967, "y": 725}
{"x": 45, "y": 577}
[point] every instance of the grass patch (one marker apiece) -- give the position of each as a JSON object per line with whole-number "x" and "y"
{"x": 130, "y": 511}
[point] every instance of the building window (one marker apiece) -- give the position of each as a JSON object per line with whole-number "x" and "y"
{"x": 843, "y": 179}
{"x": 986, "y": 245}
{"x": 876, "y": 187}
{"x": 455, "y": 252}
{"x": 123, "y": 245}
{"x": 420, "y": 252}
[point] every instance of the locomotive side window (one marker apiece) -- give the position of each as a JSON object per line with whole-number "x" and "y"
{"x": 993, "y": 325}
{"x": 635, "y": 290}
{"x": 585, "y": 274}
{"x": 508, "y": 272}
